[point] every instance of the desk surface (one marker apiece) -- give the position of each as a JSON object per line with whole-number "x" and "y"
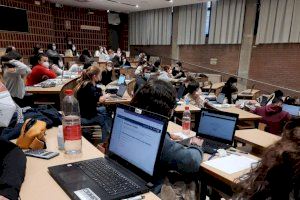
{"x": 226, "y": 178}
{"x": 38, "y": 184}
{"x": 244, "y": 93}
{"x": 243, "y": 115}
{"x": 256, "y": 137}
{"x": 215, "y": 86}
{"x": 181, "y": 108}
{"x": 50, "y": 90}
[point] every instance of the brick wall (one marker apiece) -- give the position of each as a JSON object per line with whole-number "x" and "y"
{"x": 47, "y": 24}
{"x": 155, "y": 50}
{"x": 277, "y": 64}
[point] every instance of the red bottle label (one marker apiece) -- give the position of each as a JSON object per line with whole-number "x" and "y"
{"x": 72, "y": 132}
{"x": 186, "y": 125}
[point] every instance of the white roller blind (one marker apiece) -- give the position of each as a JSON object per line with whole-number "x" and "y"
{"x": 227, "y": 19}
{"x": 191, "y": 24}
{"x": 151, "y": 27}
{"x": 279, "y": 22}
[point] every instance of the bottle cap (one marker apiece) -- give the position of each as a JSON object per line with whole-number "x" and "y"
{"x": 186, "y": 108}
{"x": 69, "y": 92}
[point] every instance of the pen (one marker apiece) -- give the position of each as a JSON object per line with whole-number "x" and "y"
{"x": 139, "y": 197}
{"x": 213, "y": 155}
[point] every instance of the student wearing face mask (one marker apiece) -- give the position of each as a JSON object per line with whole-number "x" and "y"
{"x": 41, "y": 71}
{"x": 33, "y": 60}
{"x": 177, "y": 71}
{"x": 194, "y": 92}
{"x": 107, "y": 73}
{"x": 166, "y": 74}
{"x": 142, "y": 78}
{"x": 53, "y": 55}
{"x": 114, "y": 58}
{"x": 86, "y": 58}
{"x": 89, "y": 95}
{"x": 102, "y": 54}
{"x": 229, "y": 89}
{"x": 125, "y": 62}
{"x": 71, "y": 51}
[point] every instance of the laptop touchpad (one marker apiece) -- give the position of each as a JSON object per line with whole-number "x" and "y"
{"x": 73, "y": 176}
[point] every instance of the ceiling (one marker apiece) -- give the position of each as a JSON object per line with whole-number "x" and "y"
{"x": 125, "y": 5}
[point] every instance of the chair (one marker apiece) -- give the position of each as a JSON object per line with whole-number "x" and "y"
{"x": 130, "y": 87}
{"x": 262, "y": 126}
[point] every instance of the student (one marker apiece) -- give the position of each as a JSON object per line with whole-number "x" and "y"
{"x": 194, "y": 92}
{"x": 277, "y": 175}
{"x": 33, "y": 60}
{"x": 10, "y": 48}
{"x": 41, "y": 71}
{"x": 186, "y": 82}
{"x": 230, "y": 90}
{"x": 125, "y": 62}
{"x": 277, "y": 94}
{"x": 114, "y": 58}
{"x": 53, "y": 55}
{"x": 102, "y": 54}
{"x": 166, "y": 74}
{"x": 156, "y": 66}
{"x": 177, "y": 71}
{"x": 86, "y": 58}
{"x": 140, "y": 67}
{"x": 107, "y": 73}
{"x": 142, "y": 57}
{"x": 142, "y": 79}
{"x": 14, "y": 73}
{"x": 273, "y": 116}
{"x": 12, "y": 173}
{"x": 160, "y": 97}
{"x": 89, "y": 96}
{"x": 71, "y": 51}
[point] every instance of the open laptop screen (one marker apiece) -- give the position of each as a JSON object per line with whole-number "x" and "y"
{"x": 121, "y": 90}
{"x": 293, "y": 110}
{"x": 217, "y": 125}
{"x": 221, "y": 98}
{"x": 180, "y": 92}
{"x": 121, "y": 80}
{"x": 136, "y": 139}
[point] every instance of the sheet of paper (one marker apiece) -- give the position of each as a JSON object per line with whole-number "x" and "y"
{"x": 231, "y": 164}
{"x": 181, "y": 134}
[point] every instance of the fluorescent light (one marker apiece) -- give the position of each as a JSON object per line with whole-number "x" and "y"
{"x": 137, "y": 5}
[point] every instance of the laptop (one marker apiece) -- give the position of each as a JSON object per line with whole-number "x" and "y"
{"x": 131, "y": 165}
{"x": 121, "y": 80}
{"x": 122, "y": 89}
{"x": 216, "y": 128}
{"x": 180, "y": 92}
{"x": 219, "y": 100}
{"x": 292, "y": 109}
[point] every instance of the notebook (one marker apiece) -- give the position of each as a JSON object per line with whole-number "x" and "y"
{"x": 130, "y": 166}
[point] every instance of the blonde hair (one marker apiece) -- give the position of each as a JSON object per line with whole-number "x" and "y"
{"x": 87, "y": 77}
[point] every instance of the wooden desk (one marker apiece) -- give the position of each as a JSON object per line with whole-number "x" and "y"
{"x": 216, "y": 87}
{"x": 257, "y": 138}
{"x": 38, "y": 183}
{"x": 243, "y": 115}
{"x": 181, "y": 109}
{"x": 50, "y": 90}
{"x": 253, "y": 95}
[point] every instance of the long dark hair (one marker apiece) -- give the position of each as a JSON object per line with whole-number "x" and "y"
{"x": 277, "y": 175}
{"x": 87, "y": 77}
{"x": 156, "y": 96}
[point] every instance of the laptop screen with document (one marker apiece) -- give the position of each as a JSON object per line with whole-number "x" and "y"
{"x": 292, "y": 109}
{"x": 216, "y": 125}
{"x": 136, "y": 138}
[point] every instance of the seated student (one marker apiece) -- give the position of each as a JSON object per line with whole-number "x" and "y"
{"x": 102, "y": 54}
{"x": 33, "y": 60}
{"x": 160, "y": 97}
{"x": 89, "y": 96}
{"x": 86, "y": 58}
{"x": 76, "y": 67}
{"x": 142, "y": 57}
{"x": 177, "y": 71}
{"x": 107, "y": 74}
{"x": 114, "y": 58}
{"x": 142, "y": 79}
{"x": 53, "y": 55}
{"x": 229, "y": 89}
{"x": 12, "y": 173}
{"x": 10, "y": 48}
{"x": 277, "y": 94}
{"x": 14, "y": 72}
{"x": 156, "y": 66}
{"x": 290, "y": 100}
{"x": 273, "y": 116}
{"x": 125, "y": 62}
{"x": 140, "y": 67}
{"x": 166, "y": 74}
{"x": 194, "y": 92}
{"x": 71, "y": 51}
{"x": 277, "y": 176}
{"x": 41, "y": 71}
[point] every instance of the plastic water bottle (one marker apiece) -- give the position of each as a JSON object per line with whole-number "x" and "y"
{"x": 187, "y": 100}
{"x": 71, "y": 124}
{"x": 186, "y": 121}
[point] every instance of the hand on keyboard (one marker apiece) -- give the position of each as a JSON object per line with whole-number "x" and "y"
{"x": 196, "y": 141}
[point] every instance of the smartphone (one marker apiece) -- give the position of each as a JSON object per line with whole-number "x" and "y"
{"x": 41, "y": 153}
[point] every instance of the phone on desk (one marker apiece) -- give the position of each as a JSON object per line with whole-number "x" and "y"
{"x": 41, "y": 153}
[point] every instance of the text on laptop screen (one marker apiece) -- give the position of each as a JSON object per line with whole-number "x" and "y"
{"x": 121, "y": 80}
{"x": 293, "y": 110}
{"x": 217, "y": 125}
{"x": 136, "y": 138}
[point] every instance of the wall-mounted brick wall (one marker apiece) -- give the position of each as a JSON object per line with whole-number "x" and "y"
{"x": 47, "y": 24}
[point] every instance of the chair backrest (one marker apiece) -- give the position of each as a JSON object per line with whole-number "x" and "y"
{"x": 130, "y": 87}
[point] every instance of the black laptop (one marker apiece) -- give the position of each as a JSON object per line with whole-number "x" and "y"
{"x": 217, "y": 128}
{"x": 130, "y": 165}
{"x": 180, "y": 92}
{"x": 122, "y": 89}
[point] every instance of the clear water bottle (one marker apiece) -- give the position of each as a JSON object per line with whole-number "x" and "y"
{"x": 187, "y": 101}
{"x": 71, "y": 124}
{"x": 186, "y": 121}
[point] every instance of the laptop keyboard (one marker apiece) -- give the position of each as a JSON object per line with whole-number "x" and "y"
{"x": 210, "y": 146}
{"x": 112, "y": 181}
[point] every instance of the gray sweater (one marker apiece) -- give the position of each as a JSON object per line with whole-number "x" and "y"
{"x": 13, "y": 78}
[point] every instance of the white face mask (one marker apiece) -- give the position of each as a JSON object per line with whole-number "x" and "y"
{"x": 101, "y": 50}
{"x": 73, "y": 48}
{"x": 124, "y": 60}
{"x": 109, "y": 68}
{"x": 234, "y": 84}
{"x": 60, "y": 63}
{"x": 53, "y": 48}
{"x": 41, "y": 51}
{"x": 46, "y": 64}
{"x": 234, "y": 96}
{"x": 147, "y": 76}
